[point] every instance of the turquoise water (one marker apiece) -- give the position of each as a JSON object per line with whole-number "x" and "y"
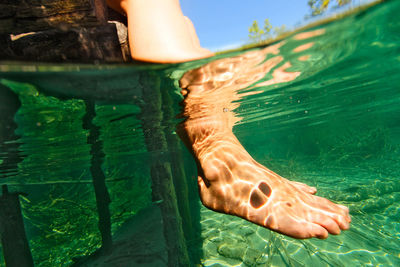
{"x": 106, "y": 180}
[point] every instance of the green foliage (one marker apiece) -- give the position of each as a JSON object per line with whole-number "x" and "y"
{"x": 267, "y": 26}
{"x": 55, "y": 238}
{"x": 318, "y": 7}
{"x": 257, "y": 34}
{"x": 280, "y": 30}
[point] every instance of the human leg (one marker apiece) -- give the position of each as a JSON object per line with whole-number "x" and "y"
{"x": 159, "y": 32}
{"x": 230, "y": 180}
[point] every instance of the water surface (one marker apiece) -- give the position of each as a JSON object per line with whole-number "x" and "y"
{"x": 95, "y": 152}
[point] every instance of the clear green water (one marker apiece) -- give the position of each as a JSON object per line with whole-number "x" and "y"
{"x": 78, "y": 130}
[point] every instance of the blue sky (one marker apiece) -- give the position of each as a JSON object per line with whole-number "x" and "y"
{"x": 223, "y": 24}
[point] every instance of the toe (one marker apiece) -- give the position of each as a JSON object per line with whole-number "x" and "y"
{"x": 305, "y": 229}
{"x": 328, "y": 206}
{"x": 343, "y": 217}
{"x": 329, "y": 224}
{"x": 311, "y": 190}
{"x": 309, "y": 230}
{"x": 201, "y": 183}
{"x": 306, "y": 188}
{"x": 345, "y": 212}
{"x": 319, "y": 232}
{"x": 296, "y": 227}
{"x": 342, "y": 221}
{"x": 343, "y": 207}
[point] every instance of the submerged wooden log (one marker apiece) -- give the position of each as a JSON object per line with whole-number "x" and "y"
{"x": 20, "y": 16}
{"x": 9, "y": 147}
{"x": 99, "y": 180}
{"x": 16, "y": 250}
{"x": 138, "y": 242}
{"x": 178, "y": 170}
{"x": 163, "y": 189}
{"x": 15, "y": 245}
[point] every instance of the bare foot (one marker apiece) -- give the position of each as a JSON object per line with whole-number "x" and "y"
{"x": 230, "y": 180}
{"x": 159, "y": 32}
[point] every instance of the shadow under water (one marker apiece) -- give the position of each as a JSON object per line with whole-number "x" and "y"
{"x": 91, "y": 161}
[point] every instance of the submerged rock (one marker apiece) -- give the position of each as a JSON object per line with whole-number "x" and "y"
{"x": 253, "y": 257}
{"x": 233, "y": 251}
{"x": 241, "y": 252}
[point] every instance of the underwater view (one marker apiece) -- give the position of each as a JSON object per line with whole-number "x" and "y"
{"x": 95, "y": 168}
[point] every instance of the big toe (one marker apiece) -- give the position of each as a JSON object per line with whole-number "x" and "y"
{"x": 309, "y": 230}
{"x": 319, "y": 231}
{"x": 296, "y": 227}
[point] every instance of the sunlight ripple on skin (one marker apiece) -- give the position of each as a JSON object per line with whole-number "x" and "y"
{"x": 303, "y": 47}
{"x": 310, "y": 34}
{"x": 230, "y": 180}
{"x": 304, "y": 58}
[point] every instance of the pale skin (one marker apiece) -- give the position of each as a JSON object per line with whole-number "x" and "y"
{"x": 159, "y": 32}
{"x": 230, "y": 180}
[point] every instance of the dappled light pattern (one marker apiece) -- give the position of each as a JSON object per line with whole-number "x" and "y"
{"x": 230, "y": 180}
{"x": 280, "y": 75}
{"x": 304, "y": 58}
{"x": 303, "y": 47}
{"x": 306, "y": 35}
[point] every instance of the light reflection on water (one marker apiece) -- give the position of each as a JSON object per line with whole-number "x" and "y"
{"x": 325, "y": 114}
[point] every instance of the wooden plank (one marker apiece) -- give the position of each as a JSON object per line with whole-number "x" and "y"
{"x": 163, "y": 189}
{"x": 178, "y": 170}
{"x": 9, "y": 147}
{"x": 20, "y": 16}
{"x": 95, "y": 44}
{"x": 103, "y": 199}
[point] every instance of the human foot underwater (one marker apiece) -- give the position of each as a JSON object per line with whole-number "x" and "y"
{"x": 230, "y": 180}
